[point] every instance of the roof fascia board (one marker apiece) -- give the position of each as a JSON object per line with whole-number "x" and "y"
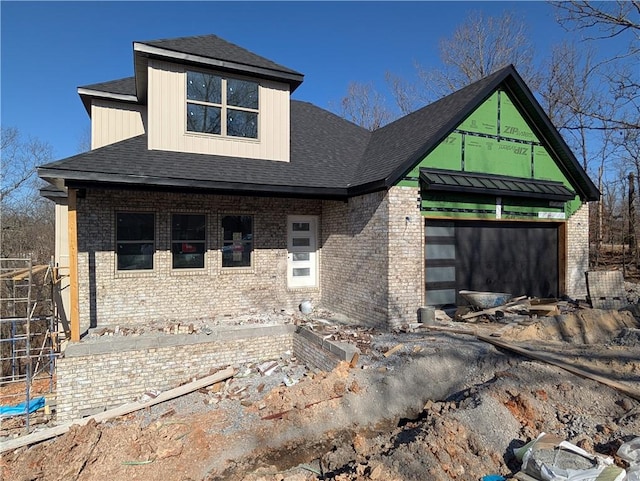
{"x": 368, "y": 188}
{"x": 152, "y": 51}
{"x": 107, "y": 95}
{"x": 84, "y": 179}
{"x": 87, "y": 94}
{"x": 221, "y": 188}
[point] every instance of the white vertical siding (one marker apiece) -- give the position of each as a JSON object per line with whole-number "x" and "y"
{"x": 114, "y": 121}
{"x": 167, "y": 119}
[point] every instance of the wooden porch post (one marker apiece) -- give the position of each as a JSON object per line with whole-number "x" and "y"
{"x": 73, "y": 266}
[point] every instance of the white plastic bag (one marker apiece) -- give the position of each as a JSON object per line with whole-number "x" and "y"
{"x": 548, "y": 458}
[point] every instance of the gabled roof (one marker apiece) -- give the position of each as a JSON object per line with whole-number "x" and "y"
{"x": 399, "y": 146}
{"x": 208, "y": 51}
{"x": 330, "y": 157}
{"x": 205, "y": 51}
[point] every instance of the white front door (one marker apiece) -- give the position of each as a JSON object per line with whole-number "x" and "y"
{"x": 302, "y": 260}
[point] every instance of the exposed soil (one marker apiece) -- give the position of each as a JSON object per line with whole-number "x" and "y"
{"x": 439, "y": 406}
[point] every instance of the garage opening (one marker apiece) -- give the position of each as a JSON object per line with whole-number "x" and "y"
{"x": 520, "y": 258}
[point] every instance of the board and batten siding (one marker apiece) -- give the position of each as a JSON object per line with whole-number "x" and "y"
{"x": 112, "y": 122}
{"x": 167, "y": 119}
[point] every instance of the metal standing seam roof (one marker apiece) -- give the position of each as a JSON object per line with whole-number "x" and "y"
{"x": 472, "y": 183}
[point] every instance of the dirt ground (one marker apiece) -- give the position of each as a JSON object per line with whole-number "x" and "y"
{"x": 423, "y": 404}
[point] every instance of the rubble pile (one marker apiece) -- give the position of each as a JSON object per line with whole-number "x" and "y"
{"x": 435, "y": 401}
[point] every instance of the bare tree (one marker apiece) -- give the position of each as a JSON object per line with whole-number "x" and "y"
{"x": 364, "y": 106}
{"x": 478, "y": 47}
{"x": 26, "y": 219}
{"x": 19, "y": 161}
{"x": 602, "y": 21}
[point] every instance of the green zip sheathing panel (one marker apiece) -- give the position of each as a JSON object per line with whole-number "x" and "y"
{"x": 494, "y": 139}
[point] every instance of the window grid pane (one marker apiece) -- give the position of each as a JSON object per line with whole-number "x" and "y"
{"x": 203, "y": 118}
{"x": 204, "y": 87}
{"x": 242, "y": 124}
{"x": 241, "y": 93}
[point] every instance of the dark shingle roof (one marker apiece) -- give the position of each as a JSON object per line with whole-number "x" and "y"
{"x": 123, "y": 86}
{"x": 214, "y": 47}
{"x": 318, "y": 167}
{"x": 398, "y": 146}
{"x": 329, "y": 155}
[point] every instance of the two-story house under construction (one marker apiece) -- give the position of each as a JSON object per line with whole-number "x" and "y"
{"x": 209, "y": 191}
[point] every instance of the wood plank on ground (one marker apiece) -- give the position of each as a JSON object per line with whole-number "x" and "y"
{"x": 554, "y": 361}
{"x": 40, "y": 436}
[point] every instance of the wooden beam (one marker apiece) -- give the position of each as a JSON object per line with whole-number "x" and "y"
{"x": 73, "y": 266}
{"x": 40, "y": 436}
{"x": 552, "y": 360}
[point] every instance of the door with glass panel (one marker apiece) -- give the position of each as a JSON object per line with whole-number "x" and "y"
{"x": 302, "y": 261}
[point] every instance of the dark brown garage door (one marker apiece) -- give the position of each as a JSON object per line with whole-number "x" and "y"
{"x": 516, "y": 257}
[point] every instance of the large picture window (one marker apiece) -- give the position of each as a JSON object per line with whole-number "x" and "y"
{"x": 135, "y": 240}
{"x": 188, "y": 240}
{"x": 221, "y": 106}
{"x": 237, "y": 240}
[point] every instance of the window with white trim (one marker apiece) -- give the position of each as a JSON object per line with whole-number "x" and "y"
{"x": 135, "y": 240}
{"x": 188, "y": 241}
{"x": 222, "y": 106}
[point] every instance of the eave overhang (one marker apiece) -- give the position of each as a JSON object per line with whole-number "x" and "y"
{"x": 440, "y": 180}
{"x": 63, "y": 179}
{"x": 87, "y": 94}
{"x": 143, "y": 52}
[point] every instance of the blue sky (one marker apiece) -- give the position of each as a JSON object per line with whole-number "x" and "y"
{"x": 48, "y": 49}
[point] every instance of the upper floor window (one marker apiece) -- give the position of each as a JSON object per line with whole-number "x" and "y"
{"x": 135, "y": 240}
{"x": 188, "y": 240}
{"x": 222, "y": 106}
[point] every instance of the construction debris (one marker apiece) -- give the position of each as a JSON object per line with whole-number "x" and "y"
{"x": 440, "y": 402}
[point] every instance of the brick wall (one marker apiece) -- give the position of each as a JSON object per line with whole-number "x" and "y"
{"x": 354, "y": 258}
{"x": 406, "y": 255}
{"x": 97, "y": 375}
{"x": 131, "y": 297}
{"x": 578, "y": 252}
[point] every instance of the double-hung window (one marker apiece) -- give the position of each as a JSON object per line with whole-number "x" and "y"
{"x": 222, "y": 106}
{"x": 188, "y": 240}
{"x": 237, "y": 240}
{"x": 135, "y": 240}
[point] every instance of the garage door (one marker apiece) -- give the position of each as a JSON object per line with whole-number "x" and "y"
{"x": 516, "y": 257}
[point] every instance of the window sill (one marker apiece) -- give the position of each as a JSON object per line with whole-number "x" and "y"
{"x": 199, "y": 271}
{"x": 135, "y": 273}
{"x": 236, "y": 270}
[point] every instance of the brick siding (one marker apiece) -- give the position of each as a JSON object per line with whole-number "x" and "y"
{"x": 578, "y": 253}
{"x": 98, "y": 375}
{"x": 167, "y": 294}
